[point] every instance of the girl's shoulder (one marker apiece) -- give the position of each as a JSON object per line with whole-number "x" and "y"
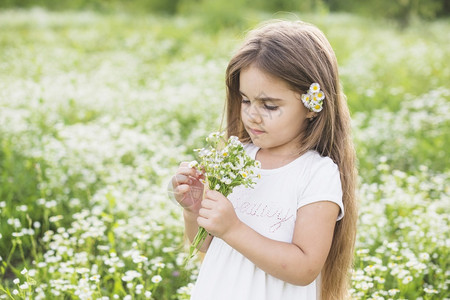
{"x": 315, "y": 157}
{"x": 317, "y": 162}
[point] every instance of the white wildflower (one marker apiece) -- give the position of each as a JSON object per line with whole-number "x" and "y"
{"x": 156, "y": 279}
{"x": 24, "y": 286}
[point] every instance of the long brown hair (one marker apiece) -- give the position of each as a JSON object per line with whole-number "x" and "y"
{"x": 299, "y": 54}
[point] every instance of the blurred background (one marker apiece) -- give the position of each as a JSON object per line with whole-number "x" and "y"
{"x": 101, "y": 100}
{"x": 227, "y": 13}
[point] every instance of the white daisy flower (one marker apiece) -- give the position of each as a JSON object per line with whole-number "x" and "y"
{"x": 305, "y": 99}
{"x": 193, "y": 164}
{"x": 314, "y": 87}
{"x": 156, "y": 279}
{"x": 316, "y": 106}
{"x": 320, "y": 95}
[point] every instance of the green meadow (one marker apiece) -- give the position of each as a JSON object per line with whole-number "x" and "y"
{"x": 98, "y": 109}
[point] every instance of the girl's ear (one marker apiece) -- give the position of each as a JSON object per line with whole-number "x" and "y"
{"x": 311, "y": 115}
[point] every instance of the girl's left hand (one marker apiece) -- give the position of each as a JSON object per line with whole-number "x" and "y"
{"x": 217, "y": 214}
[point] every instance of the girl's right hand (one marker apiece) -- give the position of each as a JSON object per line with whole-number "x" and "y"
{"x": 187, "y": 187}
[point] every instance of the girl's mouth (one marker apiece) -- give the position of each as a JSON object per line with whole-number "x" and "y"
{"x": 256, "y": 131}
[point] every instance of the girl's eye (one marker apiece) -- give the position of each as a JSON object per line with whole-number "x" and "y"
{"x": 270, "y": 107}
{"x": 245, "y": 101}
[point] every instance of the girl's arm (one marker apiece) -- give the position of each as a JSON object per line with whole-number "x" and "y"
{"x": 299, "y": 262}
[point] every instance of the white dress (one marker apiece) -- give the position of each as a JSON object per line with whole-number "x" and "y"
{"x": 270, "y": 208}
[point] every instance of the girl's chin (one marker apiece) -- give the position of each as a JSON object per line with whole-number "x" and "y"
{"x": 257, "y": 142}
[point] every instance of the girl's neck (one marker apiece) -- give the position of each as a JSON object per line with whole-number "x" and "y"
{"x": 270, "y": 160}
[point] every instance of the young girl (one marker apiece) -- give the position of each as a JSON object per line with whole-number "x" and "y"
{"x": 292, "y": 235}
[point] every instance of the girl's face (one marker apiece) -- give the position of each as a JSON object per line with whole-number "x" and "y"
{"x": 273, "y": 114}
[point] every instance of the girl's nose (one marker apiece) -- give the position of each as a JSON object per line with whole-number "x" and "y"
{"x": 253, "y": 114}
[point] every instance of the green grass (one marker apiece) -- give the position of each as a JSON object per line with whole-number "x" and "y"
{"x": 97, "y": 110}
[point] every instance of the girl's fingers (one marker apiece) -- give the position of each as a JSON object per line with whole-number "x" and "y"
{"x": 181, "y": 189}
{"x": 205, "y": 213}
{"x": 186, "y": 175}
{"x": 179, "y": 179}
{"x": 201, "y": 221}
{"x": 189, "y": 172}
{"x": 213, "y": 195}
{"x": 208, "y": 203}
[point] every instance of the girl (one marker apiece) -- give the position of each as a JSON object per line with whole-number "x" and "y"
{"x": 292, "y": 235}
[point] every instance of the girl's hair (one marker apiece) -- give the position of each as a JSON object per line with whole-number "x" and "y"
{"x": 299, "y": 54}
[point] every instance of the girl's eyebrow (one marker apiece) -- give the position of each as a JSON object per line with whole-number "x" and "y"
{"x": 263, "y": 97}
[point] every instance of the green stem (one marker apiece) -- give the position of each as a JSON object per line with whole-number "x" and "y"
{"x": 33, "y": 243}
{"x": 22, "y": 254}
{"x": 198, "y": 241}
{"x": 7, "y": 293}
{"x": 9, "y": 257}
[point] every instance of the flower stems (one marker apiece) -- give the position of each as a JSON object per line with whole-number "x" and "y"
{"x": 199, "y": 239}
{"x": 201, "y": 235}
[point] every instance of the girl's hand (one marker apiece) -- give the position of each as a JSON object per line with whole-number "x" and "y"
{"x": 187, "y": 187}
{"x": 217, "y": 214}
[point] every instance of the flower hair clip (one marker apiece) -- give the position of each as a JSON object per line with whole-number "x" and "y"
{"x": 313, "y": 99}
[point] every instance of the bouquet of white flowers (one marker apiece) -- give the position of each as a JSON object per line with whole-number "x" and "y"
{"x": 224, "y": 169}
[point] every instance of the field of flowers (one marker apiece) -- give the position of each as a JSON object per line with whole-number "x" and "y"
{"x": 96, "y": 112}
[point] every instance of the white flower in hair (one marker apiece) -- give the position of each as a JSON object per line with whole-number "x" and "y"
{"x": 305, "y": 99}
{"x": 320, "y": 95}
{"x": 314, "y": 88}
{"x": 315, "y": 106}
{"x": 313, "y": 99}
